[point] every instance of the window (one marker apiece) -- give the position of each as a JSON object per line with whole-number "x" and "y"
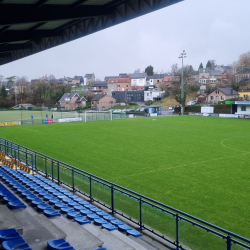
{"x": 168, "y": 80}
{"x": 158, "y": 81}
{"x": 118, "y": 85}
{"x": 211, "y": 97}
{"x": 103, "y": 107}
{"x": 147, "y": 94}
{"x": 243, "y": 108}
{"x": 127, "y": 86}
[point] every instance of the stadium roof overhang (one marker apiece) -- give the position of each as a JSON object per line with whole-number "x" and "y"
{"x": 30, "y": 26}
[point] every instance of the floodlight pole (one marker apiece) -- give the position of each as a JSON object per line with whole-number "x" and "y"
{"x": 183, "y": 55}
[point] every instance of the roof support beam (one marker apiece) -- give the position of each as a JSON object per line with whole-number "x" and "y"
{"x": 47, "y": 13}
{"x": 17, "y": 36}
{"x": 78, "y": 3}
{"x": 40, "y": 3}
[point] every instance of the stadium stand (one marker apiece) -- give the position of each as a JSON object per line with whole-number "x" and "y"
{"x": 66, "y": 220}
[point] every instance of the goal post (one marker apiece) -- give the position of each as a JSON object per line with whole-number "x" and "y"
{"x": 92, "y": 115}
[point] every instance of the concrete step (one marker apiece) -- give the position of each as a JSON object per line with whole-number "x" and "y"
{"x": 9, "y": 220}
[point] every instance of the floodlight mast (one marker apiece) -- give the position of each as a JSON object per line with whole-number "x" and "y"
{"x": 183, "y": 55}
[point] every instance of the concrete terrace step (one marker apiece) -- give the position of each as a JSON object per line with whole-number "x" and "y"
{"x": 9, "y": 220}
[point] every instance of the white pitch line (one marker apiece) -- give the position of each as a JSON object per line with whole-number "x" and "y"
{"x": 195, "y": 163}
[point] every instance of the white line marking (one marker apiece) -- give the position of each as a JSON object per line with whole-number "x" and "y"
{"x": 195, "y": 163}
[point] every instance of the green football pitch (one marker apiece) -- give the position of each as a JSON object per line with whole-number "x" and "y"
{"x": 200, "y": 165}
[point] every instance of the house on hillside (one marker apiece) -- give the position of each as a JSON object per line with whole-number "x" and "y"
{"x": 106, "y": 78}
{"x": 119, "y": 84}
{"x": 243, "y": 74}
{"x": 99, "y": 87}
{"x": 222, "y": 94}
{"x": 138, "y": 81}
{"x": 89, "y": 79}
{"x": 244, "y": 94}
{"x": 77, "y": 80}
{"x": 70, "y": 101}
{"x": 102, "y": 102}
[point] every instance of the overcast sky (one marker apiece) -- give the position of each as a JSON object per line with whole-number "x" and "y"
{"x": 215, "y": 29}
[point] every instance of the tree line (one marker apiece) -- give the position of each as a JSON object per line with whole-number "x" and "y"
{"x": 44, "y": 92}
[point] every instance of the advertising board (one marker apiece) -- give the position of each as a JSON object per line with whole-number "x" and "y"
{"x": 13, "y": 123}
{"x": 228, "y": 116}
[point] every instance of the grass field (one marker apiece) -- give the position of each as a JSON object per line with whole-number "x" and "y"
{"x": 199, "y": 165}
{"x": 17, "y": 115}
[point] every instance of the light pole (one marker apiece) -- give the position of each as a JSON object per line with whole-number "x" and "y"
{"x": 183, "y": 55}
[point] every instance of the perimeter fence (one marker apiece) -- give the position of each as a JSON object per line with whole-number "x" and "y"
{"x": 31, "y": 117}
{"x": 182, "y": 230}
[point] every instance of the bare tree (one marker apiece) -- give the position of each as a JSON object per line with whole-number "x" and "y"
{"x": 244, "y": 61}
{"x": 174, "y": 69}
{"x": 2, "y": 78}
{"x": 137, "y": 71}
{"x": 213, "y": 62}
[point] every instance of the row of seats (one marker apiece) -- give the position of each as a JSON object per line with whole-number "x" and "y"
{"x": 8, "y": 197}
{"x": 13, "y": 162}
{"x": 11, "y": 239}
{"x": 50, "y": 194}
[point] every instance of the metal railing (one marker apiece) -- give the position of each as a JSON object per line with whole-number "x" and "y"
{"x": 182, "y": 230}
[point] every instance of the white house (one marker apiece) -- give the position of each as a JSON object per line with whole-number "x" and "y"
{"x": 243, "y": 107}
{"x": 153, "y": 95}
{"x": 138, "y": 80}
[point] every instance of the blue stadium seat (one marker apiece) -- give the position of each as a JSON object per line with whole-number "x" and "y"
{"x": 73, "y": 215}
{"x": 66, "y": 210}
{"x": 9, "y": 234}
{"x": 41, "y": 207}
{"x": 124, "y": 227}
{"x": 59, "y": 244}
{"x": 82, "y": 220}
{"x": 92, "y": 216}
{"x": 109, "y": 226}
{"x": 134, "y": 233}
{"x": 19, "y": 244}
{"x": 85, "y": 212}
{"x": 116, "y": 222}
{"x": 100, "y": 222}
{"x": 51, "y": 213}
{"x": 16, "y": 204}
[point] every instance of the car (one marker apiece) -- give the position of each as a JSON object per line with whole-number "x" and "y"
{"x": 53, "y": 109}
{"x": 190, "y": 103}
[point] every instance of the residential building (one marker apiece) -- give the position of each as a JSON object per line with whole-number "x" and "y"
{"x": 138, "y": 81}
{"x": 204, "y": 73}
{"x": 77, "y": 80}
{"x": 168, "y": 80}
{"x": 102, "y": 102}
{"x": 244, "y": 94}
{"x": 203, "y": 80}
{"x": 222, "y": 94}
{"x": 123, "y": 75}
{"x": 106, "y": 78}
{"x": 119, "y": 84}
{"x": 122, "y": 97}
{"x": 243, "y": 74}
{"x": 89, "y": 79}
{"x": 194, "y": 77}
{"x": 70, "y": 101}
{"x": 99, "y": 87}
{"x": 153, "y": 95}
{"x": 222, "y": 68}
{"x": 202, "y": 97}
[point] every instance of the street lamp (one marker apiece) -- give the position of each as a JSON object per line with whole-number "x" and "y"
{"x": 183, "y": 55}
